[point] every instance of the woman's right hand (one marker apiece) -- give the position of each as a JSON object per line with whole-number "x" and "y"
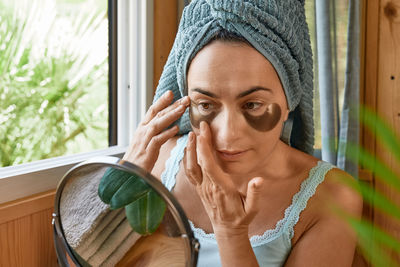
{"x": 151, "y": 133}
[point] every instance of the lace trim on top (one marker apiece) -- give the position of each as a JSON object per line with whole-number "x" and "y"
{"x": 292, "y": 213}
{"x": 168, "y": 176}
{"x": 307, "y": 190}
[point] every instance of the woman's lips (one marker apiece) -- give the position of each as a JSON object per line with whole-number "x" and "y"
{"x": 231, "y": 155}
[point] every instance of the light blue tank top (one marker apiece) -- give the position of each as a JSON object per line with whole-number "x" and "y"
{"x": 271, "y": 248}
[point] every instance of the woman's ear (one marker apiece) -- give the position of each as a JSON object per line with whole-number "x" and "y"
{"x": 285, "y": 114}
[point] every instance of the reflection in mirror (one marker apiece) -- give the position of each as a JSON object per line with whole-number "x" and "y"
{"x": 115, "y": 214}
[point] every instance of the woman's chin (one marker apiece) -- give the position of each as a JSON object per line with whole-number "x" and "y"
{"x": 235, "y": 167}
{"x": 237, "y": 164}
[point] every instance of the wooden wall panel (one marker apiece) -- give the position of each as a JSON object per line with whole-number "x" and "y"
{"x": 380, "y": 90}
{"x": 369, "y": 44}
{"x": 26, "y": 235}
{"x": 19, "y": 208}
{"x": 370, "y": 66}
{"x": 165, "y": 27}
{"x": 388, "y": 103}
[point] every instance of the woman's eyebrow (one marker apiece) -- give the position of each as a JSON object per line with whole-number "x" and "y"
{"x": 204, "y": 92}
{"x": 252, "y": 90}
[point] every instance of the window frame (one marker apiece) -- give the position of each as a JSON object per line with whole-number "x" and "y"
{"x": 130, "y": 75}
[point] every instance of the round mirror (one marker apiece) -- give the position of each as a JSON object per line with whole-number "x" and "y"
{"x": 109, "y": 212}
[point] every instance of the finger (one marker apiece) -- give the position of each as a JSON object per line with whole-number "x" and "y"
{"x": 254, "y": 191}
{"x": 204, "y": 151}
{"x": 159, "y": 105}
{"x": 162, "y": 110}
{"x": 206, "y": 156}
{"x": 149, "y": 154}
{"x": 167, "y": 116}
{"x": 156, "y": 126}
{"x": 158, "y": 140}
{"x": 192, "y": 169}
{"x": 164, "y": 118}
{"x": 184, "y": 101}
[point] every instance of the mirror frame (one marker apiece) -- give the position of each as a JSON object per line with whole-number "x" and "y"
{"x": 175, "y": 208}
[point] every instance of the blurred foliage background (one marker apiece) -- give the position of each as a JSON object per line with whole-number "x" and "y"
{"x": 379, "y": 247}
{"x": 53, "y": 78}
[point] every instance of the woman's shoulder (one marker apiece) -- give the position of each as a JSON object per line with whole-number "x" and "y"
{"x": 343, "y": 190}
{"x": 337, "y": 193}
{"x": 165, "y": 153}
{"x": 333, "y": 182}
{"x": 336, "y": 187}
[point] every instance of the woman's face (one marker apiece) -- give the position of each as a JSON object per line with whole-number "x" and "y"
{"x": 238, "y": 93}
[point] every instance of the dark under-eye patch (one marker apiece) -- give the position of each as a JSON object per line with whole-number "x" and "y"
{"x": 266, "y": 121}
{"x": 196, "y": 117}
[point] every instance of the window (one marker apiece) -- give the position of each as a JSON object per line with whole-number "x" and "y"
{"x": 120, "y": 83}
{"x": 53, "y": 78}
{"x": 339, "y": 23}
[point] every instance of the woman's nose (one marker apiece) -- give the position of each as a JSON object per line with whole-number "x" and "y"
{"x": 227, "y": 128}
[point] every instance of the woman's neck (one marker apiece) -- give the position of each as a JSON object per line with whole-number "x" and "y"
{"x": 278, "y": 165}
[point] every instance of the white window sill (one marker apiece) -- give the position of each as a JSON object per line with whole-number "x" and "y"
{"x": 43, "y": 175}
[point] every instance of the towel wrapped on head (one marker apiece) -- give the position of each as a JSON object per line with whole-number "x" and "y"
{"x": 276, "y": 28}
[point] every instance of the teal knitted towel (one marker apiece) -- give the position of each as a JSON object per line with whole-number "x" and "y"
{"x": 276, "y": 28}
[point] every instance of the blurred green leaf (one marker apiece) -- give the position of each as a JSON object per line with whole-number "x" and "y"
{"x": 382, "y": 172}
{"x": 373, "y": 197}
{"x": 375, "y": 243}
{"x": 380, "y": 241}
{"x": 384, "y": 133}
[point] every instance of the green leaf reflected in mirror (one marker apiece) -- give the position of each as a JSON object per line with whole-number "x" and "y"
{"x": 146, "y": 213}
{"x": 145, "y": 209}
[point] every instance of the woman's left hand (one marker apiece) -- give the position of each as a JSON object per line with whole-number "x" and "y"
{"x": 230, "y": 211}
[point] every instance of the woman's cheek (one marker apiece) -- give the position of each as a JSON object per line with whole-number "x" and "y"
{"x": 267, "y": 121}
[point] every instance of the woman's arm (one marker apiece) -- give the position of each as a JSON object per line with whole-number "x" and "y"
{"x": 330, "y": 241}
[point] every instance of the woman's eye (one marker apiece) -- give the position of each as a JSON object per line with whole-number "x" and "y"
{"x": 252, "y": 106}
{"x": 205, "y": 106}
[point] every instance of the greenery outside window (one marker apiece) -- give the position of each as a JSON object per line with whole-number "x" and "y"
{"x": 53, "y": 78}
{"x": 113, "y": 86}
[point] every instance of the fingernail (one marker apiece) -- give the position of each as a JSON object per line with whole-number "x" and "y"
{"x": 257, "y": 183}
{"x": 191, "y": 136}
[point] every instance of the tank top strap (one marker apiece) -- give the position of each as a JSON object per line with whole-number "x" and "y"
{"x": 307, "y": 190}
{"x": 168, "y": 176}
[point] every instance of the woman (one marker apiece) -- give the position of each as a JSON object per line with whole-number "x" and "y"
{"x": 239, "y": 159}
